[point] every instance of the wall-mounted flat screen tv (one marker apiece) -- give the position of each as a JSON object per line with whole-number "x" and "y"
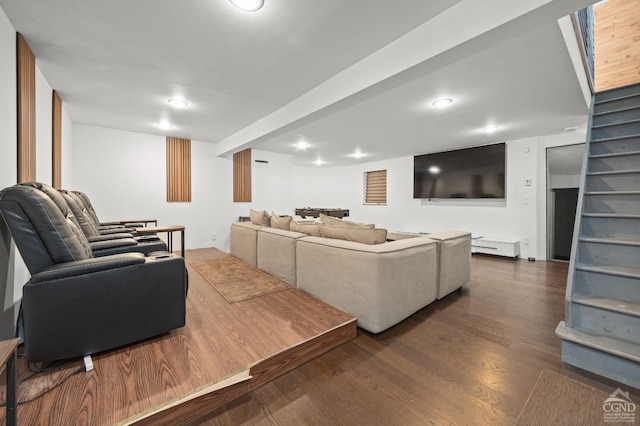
{"x": 477, "y": 172}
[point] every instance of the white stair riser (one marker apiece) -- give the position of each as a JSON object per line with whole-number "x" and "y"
{"x": 614, "y": 228}
{"x": 604, "y": 285}
{"x": 607, "y": 254}
{"x": 616, "y": 368}
{"x": 617, "y": 130}
{"x": 607, "y": 323}
{"x": 612, "y": 203}
{"x": 614, "y": 146}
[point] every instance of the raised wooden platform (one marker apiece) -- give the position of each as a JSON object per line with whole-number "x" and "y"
{"x": 224, "y": 351}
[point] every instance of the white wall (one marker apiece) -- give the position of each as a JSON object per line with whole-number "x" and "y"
{"x": 124, "y": 175}
{"x": 43, "y": 129}
{"x": 520, "y": 217}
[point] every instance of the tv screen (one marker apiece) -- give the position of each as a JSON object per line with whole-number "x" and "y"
{"x": 464, "y": 173}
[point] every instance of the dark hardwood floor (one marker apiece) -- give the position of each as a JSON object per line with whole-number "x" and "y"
{"x": 471, "y": 358}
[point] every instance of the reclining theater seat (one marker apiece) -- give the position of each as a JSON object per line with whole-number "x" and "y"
{"x": 101, "y": 245}
{"x": 86, "y": 204}
{"x": 74, "y": 304}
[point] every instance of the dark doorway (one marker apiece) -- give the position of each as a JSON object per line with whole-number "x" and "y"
{"x": 565, "y": 202}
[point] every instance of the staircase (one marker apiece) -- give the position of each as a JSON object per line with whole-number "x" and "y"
{"x": 601, "y": 331}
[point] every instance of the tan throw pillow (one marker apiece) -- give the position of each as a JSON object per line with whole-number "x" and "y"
{"x": 312, "y": 230}
{"x": 259, "y": 217}
{"x": 358, "y": 235}
{"x": 280, "y": 222}
{"x": 334, "y": 221}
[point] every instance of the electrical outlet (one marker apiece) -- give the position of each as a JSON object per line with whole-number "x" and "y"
{"x": 527, "y": 182}
{"x": 214, "y": 237}
{"x": 526, "y": 242}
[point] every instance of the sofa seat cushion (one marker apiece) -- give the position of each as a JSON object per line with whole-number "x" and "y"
{"x": 358, "y": 235}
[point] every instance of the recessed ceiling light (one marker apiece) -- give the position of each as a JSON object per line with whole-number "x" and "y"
{"x": 442, "y": 102}
{"x": 164, "y": 125}
{"x": 357, "y": 155}
{"x": 319, "y": 162}
{"x": 491, "y": 129}
{"x": 571, "y": 129}
{"x": 302, "y": 145}
{"x": 178, "y": 103}
{"x": 248, "y": 5}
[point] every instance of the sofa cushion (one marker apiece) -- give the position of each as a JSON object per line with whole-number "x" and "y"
{"x": 309, "y": 229}
{"x": 333, "y": 221}
{"x": 259, "y": 217}
{"x": 358, "y": 235}
{"x": 278, "y": 222}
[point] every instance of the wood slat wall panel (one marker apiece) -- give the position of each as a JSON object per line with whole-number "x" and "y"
{"x": 376, "y": 187}
{"x": 617, "y": 44}
{"x": 178, "y": 169}
{"x": 56, "y": 141}
{"x": 26, "y": 78}
{"x": 242, "y": 176}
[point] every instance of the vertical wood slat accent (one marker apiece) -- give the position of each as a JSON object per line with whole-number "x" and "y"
{"x": 178, "y": 169}
{"x": 26, "y": 79}
{"x": 242, "y": 176}
{"x": 56, "y": 141}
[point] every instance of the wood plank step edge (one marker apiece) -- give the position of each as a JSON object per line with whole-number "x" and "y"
{"x": 605, "y": 344}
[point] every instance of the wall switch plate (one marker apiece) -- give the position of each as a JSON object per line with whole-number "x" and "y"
{"x": 214, "y": 237}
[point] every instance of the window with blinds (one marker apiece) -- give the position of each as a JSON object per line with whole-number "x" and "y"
{"x": 375, "y": 187}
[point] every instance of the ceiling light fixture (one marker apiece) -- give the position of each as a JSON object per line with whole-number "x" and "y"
{"x": 248, "y": 5}
{"x": 491, "y": 129}
{"x": 178, "y": 103}
{"x": 358, "y": 155}
{"x": 319, "y": 162}
{"x": 164, "y": 125}
{"x": 442, "y": 102}
{"x": 570, "y": 129}
{"x": 302, "y": 145}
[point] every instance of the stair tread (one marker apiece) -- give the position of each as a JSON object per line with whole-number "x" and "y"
{"x": 615, "y": 305}
{"x": 612, "y": 193}
{"x": 615, "y": 138}
{"x": 624, "y": 271}
{"x": 613, "y": 172}
{"x": 612, "y": 215}
{"x": 617, "y": 123}
{"x": 610, "y": 241}
{"x": 614, "y": 154}
{"x": 618, "y": 347}
{"x": 613, "y": 111}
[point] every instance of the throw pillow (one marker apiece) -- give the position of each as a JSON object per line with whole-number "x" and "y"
{"x": 358, "y": 235}
{"x": 259, "y": 217}
{"x": 278, "y": 222}
{"x": 334, "y": 221}
{"x": 311, "y": 230}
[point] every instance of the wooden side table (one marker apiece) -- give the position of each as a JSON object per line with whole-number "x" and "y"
{"x": 8, "y": 358}
{"x": 170, "y": 229}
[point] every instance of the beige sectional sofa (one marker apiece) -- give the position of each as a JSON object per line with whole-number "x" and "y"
{"x": 380, "y": 284}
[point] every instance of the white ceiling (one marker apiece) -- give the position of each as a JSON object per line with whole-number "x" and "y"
{"x": 116, "y": 62}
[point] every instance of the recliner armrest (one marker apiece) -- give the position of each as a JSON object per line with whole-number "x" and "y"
{"x": 108, "y": 237}
{"x": 87, "y": 266}
{"x": 120, "y": 242}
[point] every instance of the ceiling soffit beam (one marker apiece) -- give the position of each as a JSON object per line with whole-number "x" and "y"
{"x": 468, "y": 27}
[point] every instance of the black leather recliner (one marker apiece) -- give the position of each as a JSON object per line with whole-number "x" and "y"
{"x": 91, "y": 211}
{"x": 101, "y": 244}
{"x": 75, "y": 304}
